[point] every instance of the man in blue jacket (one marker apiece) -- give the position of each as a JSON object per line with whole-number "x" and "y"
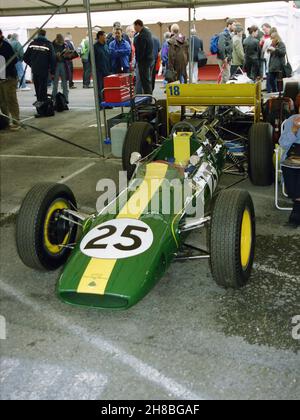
{"x": 120, "y": 51}
{"x": 102, "y": 58}
{"x": 291, "y": 167}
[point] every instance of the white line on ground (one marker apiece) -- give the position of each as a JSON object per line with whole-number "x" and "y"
{"x": 275, "y": 272}
{"x": 85, "y": 168}
{"x": 27, "y": 119}
{"x": 15, "y": 210}
{"x": 141, "y": 368}
{"x": 48, "y": 157}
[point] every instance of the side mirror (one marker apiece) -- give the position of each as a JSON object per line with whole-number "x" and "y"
{"x": 135, "y": 158}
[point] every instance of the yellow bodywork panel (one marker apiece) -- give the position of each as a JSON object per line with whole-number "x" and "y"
{"x": 98, "y": 271}
{"x": 182, "y": 148}
{"x": 215, "y": 95}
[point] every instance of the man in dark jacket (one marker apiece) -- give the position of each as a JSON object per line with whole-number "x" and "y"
{"x": 197, "y": 46}
{"x": 40, "y": 57}
{"x": 102, "y": 58}
{"x": 120, "y": 51}
{"x": 277, "y": 61}
{"x": 252, "y": 53}
{"x": 143, "y": 43}
{"x": 156, "y": 51}
{"x": 225, "y": 49}
{"x": 8, "y": 82}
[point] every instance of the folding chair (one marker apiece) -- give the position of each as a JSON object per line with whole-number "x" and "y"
{"x": 279, "y": 177}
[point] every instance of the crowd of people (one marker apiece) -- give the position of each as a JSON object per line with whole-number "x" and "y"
{"x": 260, "y": 54}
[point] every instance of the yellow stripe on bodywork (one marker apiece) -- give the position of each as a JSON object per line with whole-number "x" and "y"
{"x": 182, "y": 148}
{"x": 98, "y": 272}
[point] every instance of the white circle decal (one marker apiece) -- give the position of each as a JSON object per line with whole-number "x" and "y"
{"x": 117, "y": 239}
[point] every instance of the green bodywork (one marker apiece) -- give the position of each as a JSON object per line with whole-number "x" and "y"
{"x": 132, "y": 278}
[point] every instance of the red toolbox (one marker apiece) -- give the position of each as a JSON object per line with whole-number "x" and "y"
{"x": 117, "y": 88}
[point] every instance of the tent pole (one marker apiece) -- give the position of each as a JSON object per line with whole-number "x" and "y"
{"x": 190, "y": 44}
{"x": 94, "y": 72}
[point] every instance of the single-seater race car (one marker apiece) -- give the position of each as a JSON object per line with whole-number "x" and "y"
{"x": 115, "y": 257}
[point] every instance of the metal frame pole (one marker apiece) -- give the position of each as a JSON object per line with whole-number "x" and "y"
{"x": 94, "y": 72}
{"x": 190, "y": 44}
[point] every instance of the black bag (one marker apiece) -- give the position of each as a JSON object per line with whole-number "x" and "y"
{"x": 4, "y": 123}
{"x": 294, "y": 151}
{"x": 287, "y": 69}
{"x": 61, "y": 103}
{"x": 171, "y": 76}
{"x": 202, "y": 59}
{"x": 46, "y": 108}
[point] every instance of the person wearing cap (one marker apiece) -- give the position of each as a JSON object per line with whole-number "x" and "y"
{"x": 8, "y": 83}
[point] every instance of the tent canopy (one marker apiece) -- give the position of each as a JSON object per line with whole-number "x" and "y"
{"x": 39, "y": 7}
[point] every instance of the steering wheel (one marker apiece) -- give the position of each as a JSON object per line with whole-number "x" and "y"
{"x": 183, "y": 124}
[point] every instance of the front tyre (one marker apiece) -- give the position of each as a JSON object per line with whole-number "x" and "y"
{"x": 42, "y": 236}
{"x": 232, "y": 238}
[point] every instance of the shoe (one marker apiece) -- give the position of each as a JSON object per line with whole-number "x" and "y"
{"x": 25, "y": 89}
{"x": 294, "y": 219}
{"x": 14, "y": 127}
{"x": 73, "y": 87}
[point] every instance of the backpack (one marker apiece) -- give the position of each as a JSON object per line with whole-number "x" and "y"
{"x": 61, "y": 103}
{"x": 214, "y": 44}
{"x": 46, "y": 108}
{"x": 2, "y": 67}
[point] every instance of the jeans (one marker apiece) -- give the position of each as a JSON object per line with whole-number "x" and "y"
{"x": 225, "y": 72}
{"x": 21, "y": 74}
{"x": 138, "y": 83}
{"x": 144, "y": 70}
{"x": 252, "y": 68}
{"x": 195, "y": 73}
{"x": 60, "y": 73}
{"x": 86, "y": 73}
{"x": 8, "y": 99}
{"x": 292, "y": 182}
{"x": 273, "y": 82}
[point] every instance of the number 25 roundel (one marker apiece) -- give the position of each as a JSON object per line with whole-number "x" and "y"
{"x": 117, "y": 239}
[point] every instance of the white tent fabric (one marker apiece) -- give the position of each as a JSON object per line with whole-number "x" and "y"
{"x": 31, "y": 7}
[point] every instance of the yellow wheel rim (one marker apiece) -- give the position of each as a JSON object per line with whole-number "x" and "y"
{"x": 149, "y": 140}
{"x": 52, "y": 248}
{"x": 246, "y": 239}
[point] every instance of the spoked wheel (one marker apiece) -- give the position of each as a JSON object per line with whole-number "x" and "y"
{"x": 232, "y": 238}
{"x": 43, "y": 237}
{"x": 140, "y": 138}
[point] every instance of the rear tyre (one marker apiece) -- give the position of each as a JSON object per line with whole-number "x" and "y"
{"x": 40, "y": 232}
{"x": 261, "y": 148}
{"x": 291, "y": 90}
{"x": 232, "y": 238}
{"x": 140, "y": 138}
